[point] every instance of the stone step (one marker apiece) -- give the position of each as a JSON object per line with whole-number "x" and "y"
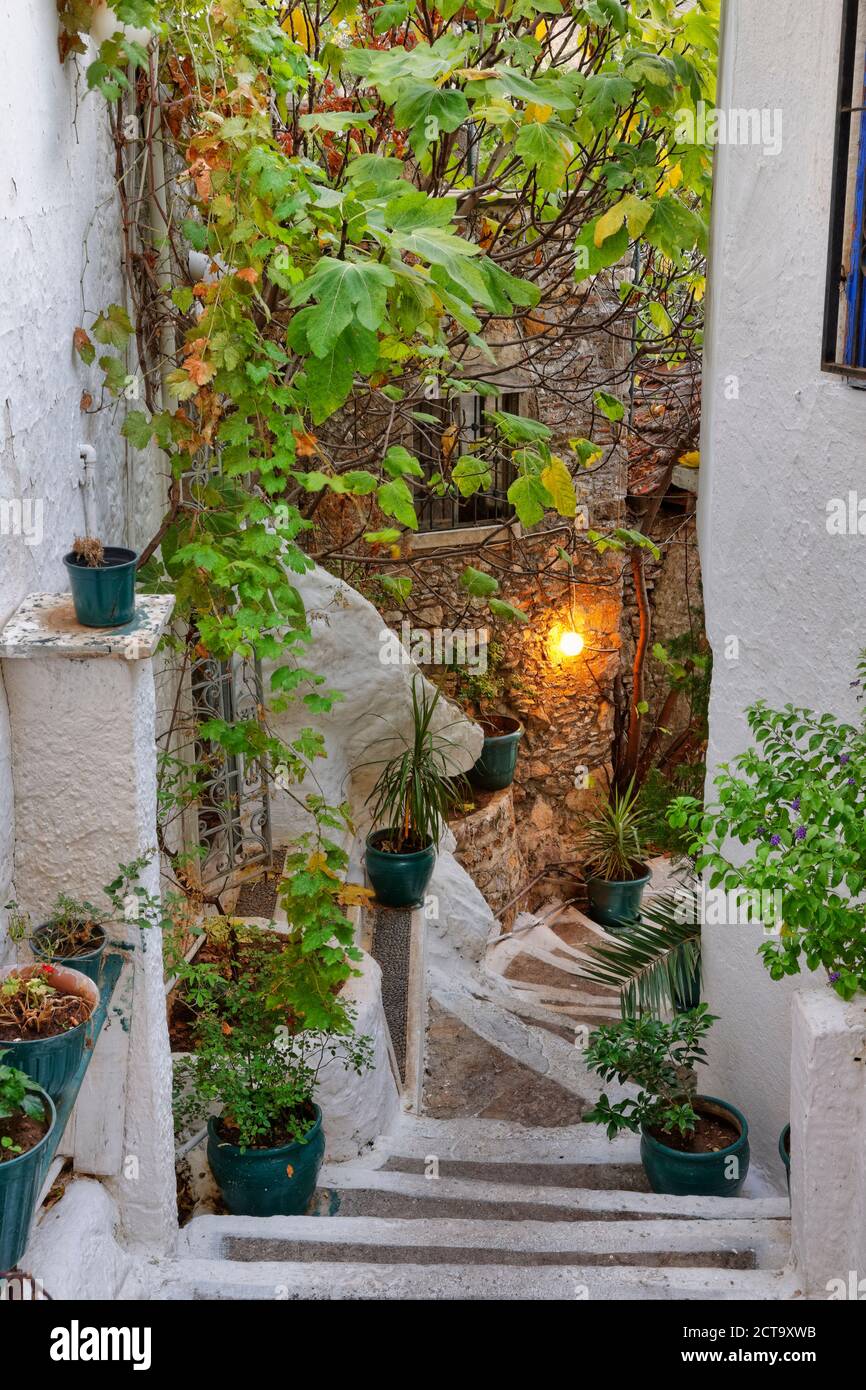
{"x": 498, "y": 1151}
{"x": 731, "y": 1244}
{"x": 471, "y": 1140}
{"x": 217, "y": 1280}
{"x": 628, "y": 1177}
{"x": 346, "y": 1190}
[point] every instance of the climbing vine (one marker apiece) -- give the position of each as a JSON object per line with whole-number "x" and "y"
{"x": 327, "y": 209}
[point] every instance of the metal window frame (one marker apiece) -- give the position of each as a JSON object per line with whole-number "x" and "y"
{"x": 496, "y": 501}
{"x": 836, "y": 268}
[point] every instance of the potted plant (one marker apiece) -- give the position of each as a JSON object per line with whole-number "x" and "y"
{"x": 616, "y": 875}
{"x": 73, "y": 933}
{"x": 411, "y": 799}
{"x": 691, "y": 1145}
{"x": 44, "y": 1015}
{"x": 260, "y": 1066}
{"x": 496, "y": 766}
{"x": 797, "y": 801}
{"x": 102, "y": 579}
{"x": 27, "y": 1119}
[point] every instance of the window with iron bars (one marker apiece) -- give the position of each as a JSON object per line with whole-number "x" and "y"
{"x": 844, "y": 348}
{"x": 459, "y": 427}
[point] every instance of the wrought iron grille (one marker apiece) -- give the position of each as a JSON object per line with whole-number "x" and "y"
{"x": 234, "y": 806}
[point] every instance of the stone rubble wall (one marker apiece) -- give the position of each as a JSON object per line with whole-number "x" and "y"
{"x": 488, "y": 848}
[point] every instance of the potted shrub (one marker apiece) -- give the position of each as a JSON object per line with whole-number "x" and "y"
{"x": 260, "y": 1066}
{"x": 44, "y": 1015}
{"x": 27, "y": 1119}
{"x": 102, "y": 579}
{"x": 616, "y": 875}
{"x": 691, "y": 1145}
{"x": 495, "y": 769}
{"x": 411, "y": 800}
{"x": 73, "y": 933}
{"x": 797, "y": 800}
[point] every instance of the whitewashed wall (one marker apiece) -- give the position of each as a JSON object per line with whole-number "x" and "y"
{"x": 60, "y": 257}
{"x": 772, "y": 458}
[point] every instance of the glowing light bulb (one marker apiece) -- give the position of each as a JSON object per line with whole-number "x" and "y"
{"x": 570, "y": 644}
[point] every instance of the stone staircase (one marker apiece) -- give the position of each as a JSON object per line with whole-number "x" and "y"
{"x": 476, "y": 1209}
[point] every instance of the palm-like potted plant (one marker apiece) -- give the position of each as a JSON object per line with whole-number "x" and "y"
{"x": 616, "y": 874}
{"x": 27, "y": 1118}
{"x": 411, "y": 799}
{"x": 691, "y": 1145}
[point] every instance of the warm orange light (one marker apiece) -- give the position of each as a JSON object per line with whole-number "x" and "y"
{"x": 570, "y": 643}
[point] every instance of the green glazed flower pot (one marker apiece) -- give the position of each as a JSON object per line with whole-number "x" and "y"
{"x": 399, "y": 880}
{"x": 104, "y": 595}
{"x": 785, "y": 1152}
{"x": 267, "y": 1182}
{"x": 614, "y": 905}
{"x": 495, "y": 768}
{"x": 21, "y": 1180}
{"x": 52, "y": 1062}
{"x": 699, "y": 1175}
{"x": 89, "y": 964}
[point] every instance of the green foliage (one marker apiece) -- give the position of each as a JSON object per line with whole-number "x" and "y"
{"x": 252, "y": 1053}
{"x": 18, "y": 1095}
{"x": 795, "y": 800}
{"x": 658, "y": 1057}
{"x": 340, "y": 270}
{"x": 613, "y": 838}
{"x": 652, "y": 962}
{"x": 658, "y": 792}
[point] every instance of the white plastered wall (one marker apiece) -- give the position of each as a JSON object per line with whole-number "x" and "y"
{"x": 780, "y": 440}
{"x": 60, "y": 253}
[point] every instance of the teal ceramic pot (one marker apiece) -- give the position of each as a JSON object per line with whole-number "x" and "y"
{"x": 267, "y": 1182}
{"x": 52, "y": 1062}
{"x": 89, "y": 964}
{"x": 399, "y": 880}
{"x": 616, "y": 905}
{"x": 104, "y": 596}
{"x": 699, "y": 1175}
{"x": 495, "y": 768}
{"x": 21, "y": 1180}
{"x": 785, "y": 1153}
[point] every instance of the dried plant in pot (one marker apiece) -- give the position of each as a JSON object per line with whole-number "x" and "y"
{"x": 27, "y": 1119}
{"x": 413, "y": 794}
{"x": 691, "y": 1144}
{"x": 102, "y": 579}
{"x": 45, "y": 1012}
{"x": 616, "y": 874}
{"x": 73, "y": 933}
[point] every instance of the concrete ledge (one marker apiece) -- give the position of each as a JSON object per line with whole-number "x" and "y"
{"x": 46, "y": 625}
{"x": 828, "y": 1141}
